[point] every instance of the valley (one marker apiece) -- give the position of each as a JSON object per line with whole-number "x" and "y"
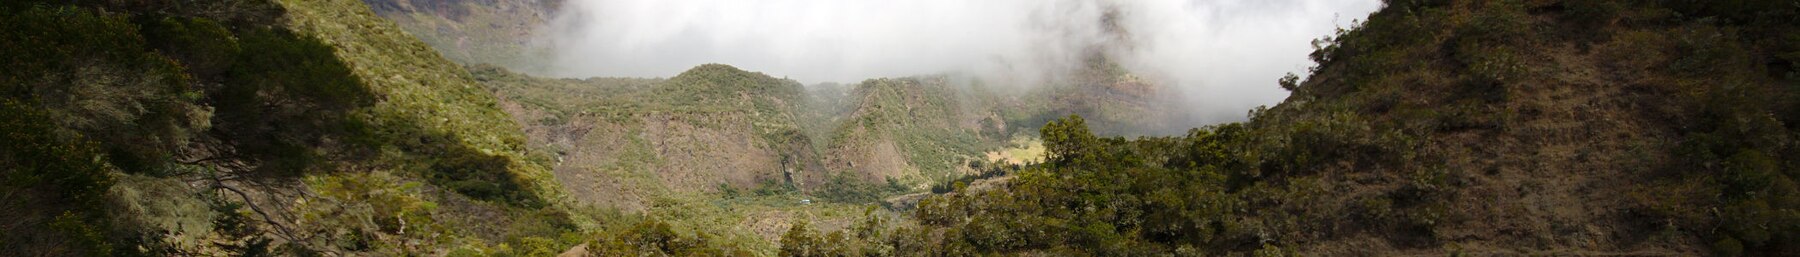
{"x": 446, "y": 128}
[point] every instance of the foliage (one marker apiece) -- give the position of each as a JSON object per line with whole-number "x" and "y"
{"x": 920, "y": 116}
{"x": 1366, "y": 124}
{"x": 1289, "y": 82}
{"x": 428, "y": 106}
{"x": 472, "y": 173}
{"x": 985, "y": 172}
{"x": 802, "y": 241}
{"x": 93, "y": 74}
{"x": 54, "y": 186}
{"x": 845, "y": 187}
{"x": 769, "y": 187}
{"x": 242, "y": 106}
{"x": 204, "y": 47}
{"x": 355, "y": 212}
{"x": 656, "y": 238}
{"x": 286, "y": 98}
{"x": 873, "y": 235}
{"x": 1100, "y": 196}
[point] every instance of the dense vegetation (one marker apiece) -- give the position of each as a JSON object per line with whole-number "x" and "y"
{"x": 1414, "y": 135}
{"x": 924, "y": 121}
{"x": 1485, "y": 127}
{"x": 247, "y": 128}
{"x": 312, "y": 127}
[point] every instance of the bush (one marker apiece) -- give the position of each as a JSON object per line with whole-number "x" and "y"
{"x": 768, "y": 187}
{"x": 1490, "y": 44}
{"x": 1728, "y": 247}
{"x": 283, "y": 100}
{"x": 656, "y": 238}
{"x": 206, "y": 48}
{"x": 801, "y": 241}
{"x": 91, "y": 73}
{"x": 54, "y": 188}
{"x": 845, "y": 187}
{"x": 949, "y": 185}
{"x": 1747, "y": 173}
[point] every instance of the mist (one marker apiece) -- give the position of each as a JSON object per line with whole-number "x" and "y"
{"x": 1223, "y": 57}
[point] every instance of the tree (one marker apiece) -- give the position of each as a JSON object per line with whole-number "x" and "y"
{"x": 1290, "y": 82}
{"x": 1068, "y": 141}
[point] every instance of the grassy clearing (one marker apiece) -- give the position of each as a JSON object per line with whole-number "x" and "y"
{"x": 1021, "y": 150}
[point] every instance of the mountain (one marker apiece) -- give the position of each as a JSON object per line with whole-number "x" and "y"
{"x": 620, "y": 141}
{"x": 915, "y": 130}
{"x": 255, "y": 127}
{"x": 1118, "y": 102}
{"x": 496, "y": 32}
{"x": 1438, "y": 127}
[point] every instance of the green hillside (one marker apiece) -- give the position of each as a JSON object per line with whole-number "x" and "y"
{"x": 713, "y": 147}
{"x": 247, "y": 127}
{"x": 1436, "y": 128}
{"x": 911, "y": 130}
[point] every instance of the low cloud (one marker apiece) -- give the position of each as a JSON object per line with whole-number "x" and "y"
{"x": 1224, "y": 56}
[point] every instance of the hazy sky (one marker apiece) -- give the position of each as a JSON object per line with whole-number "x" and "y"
{"x": 1225, "y": 55}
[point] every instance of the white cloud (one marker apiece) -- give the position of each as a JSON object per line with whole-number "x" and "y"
{"x": 1224, "y": 54}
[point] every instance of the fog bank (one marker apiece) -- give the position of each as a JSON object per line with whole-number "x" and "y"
{"x": 1224, "y": 56}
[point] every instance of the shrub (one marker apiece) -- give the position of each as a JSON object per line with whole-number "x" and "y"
{"x": 205, "y": 47}
{"x": 801, "y": 241}
{"x": 1747, "y": 173}
{"x": 373, "y": 212}
{"x": 54, "y": 188}
{"x": 1489, "y": 44}
{"x": 1728, "y": 247}
{"x": 480, "y": 176}
{"x": 728, "y": 191}
{"x": 845, "y": 187}
{"x": 91, "y": 73}
{"x": 656, "y": 238}
{"x": 286, "y": 98}
{"x": 768, "y": 187}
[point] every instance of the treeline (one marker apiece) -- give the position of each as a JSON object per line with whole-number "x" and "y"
{"x": 1094, "y": 196}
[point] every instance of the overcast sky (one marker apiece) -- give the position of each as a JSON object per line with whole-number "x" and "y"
{"x": 1225, "y": 55}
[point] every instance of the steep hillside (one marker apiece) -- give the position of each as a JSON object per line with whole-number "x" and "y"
{"x": 715, "y": 152}
{"x": 1529, "y": 127}
{"x": 622, "y": 141}
{"x": 1576, "y": 126}
{"x": 1437, "y": 127}
{"x": 912, "y": 130}
{"x": 254, "y": 127}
